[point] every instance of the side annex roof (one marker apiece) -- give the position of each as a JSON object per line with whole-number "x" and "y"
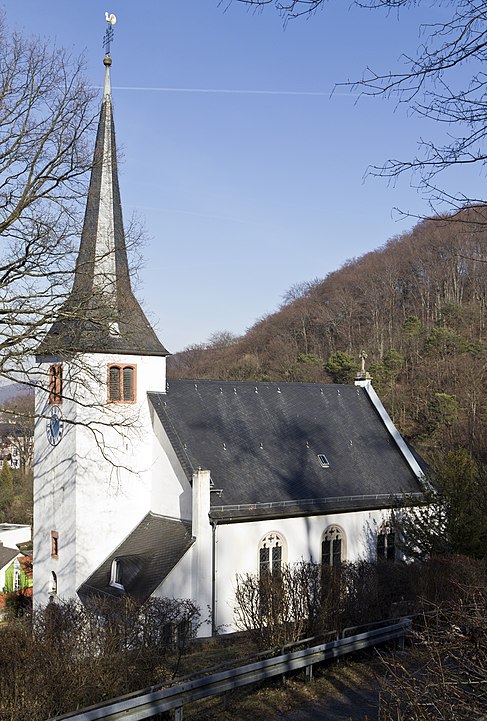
{"x": 7, "y": 555}
{"x": 146, "y": 557}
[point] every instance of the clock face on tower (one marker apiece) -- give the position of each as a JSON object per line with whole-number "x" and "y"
{"x": 54, "y": 426}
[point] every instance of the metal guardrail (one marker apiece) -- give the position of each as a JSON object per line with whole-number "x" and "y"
{"x": 149, "y": 703}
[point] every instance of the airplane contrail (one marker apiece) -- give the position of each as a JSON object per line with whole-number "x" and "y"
{"x": 230, "y": 91}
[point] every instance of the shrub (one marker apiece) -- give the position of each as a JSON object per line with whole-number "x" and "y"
{"x": 72, "y": 656}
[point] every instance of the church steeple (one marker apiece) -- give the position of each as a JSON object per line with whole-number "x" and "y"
{"x": 101, "y": 314}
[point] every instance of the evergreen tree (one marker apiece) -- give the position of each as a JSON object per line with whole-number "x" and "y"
{"x": 341, "y": 366}
{"x": 454, "y": 520}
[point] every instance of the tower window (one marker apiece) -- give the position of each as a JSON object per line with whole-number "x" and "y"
{"x": 54, "y": 544}
{"x": 121, "y": 383}
{"x": 55, "y": 384}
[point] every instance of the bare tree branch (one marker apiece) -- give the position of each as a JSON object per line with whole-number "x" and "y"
{"x": 46, "y": 124}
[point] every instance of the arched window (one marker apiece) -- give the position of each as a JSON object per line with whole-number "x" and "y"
{"x": 116, "y": 578}
{"x": 386, "y": 543}
{"x": 53, "y": 584}
{"x": 272, "y": 553}
{"x": 55, "y": 384}
{"x": 121, "y": 383}
{"x": 333, "y": 546}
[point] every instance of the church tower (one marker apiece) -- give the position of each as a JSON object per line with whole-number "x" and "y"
{"x": 93, "y": 447}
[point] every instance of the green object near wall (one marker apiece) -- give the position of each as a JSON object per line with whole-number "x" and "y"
{"x": 24, "y": 581}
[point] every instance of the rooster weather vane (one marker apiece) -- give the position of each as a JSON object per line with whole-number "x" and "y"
{"x": 108, "y": 37}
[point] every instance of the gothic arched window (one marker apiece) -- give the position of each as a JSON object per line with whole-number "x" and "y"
{"x": 386, "y": 543}
{"x": 333, "y": 546}
{"x": 121, "y": 383}
{"x": 272, "y": 552}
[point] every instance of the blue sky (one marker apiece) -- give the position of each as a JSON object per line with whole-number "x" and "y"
{"x": 251, "y": 189}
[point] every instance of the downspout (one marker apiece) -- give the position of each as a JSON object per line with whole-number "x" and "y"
{"x": 213, "y": 577}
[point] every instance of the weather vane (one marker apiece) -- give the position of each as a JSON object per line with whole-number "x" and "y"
{"x": 108, "y": 37}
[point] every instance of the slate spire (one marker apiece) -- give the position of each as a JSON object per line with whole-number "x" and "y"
{"x": 101, "y": 314}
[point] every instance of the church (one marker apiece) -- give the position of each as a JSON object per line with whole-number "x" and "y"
{"x": 146, "y": 487}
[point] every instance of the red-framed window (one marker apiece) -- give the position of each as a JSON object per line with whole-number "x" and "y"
{"x": 122, "y": 383}
{"x": 54, "y": 544}
{"x": 55, "y": 384}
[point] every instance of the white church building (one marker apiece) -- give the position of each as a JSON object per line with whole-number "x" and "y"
{"x": 152, "y": 488}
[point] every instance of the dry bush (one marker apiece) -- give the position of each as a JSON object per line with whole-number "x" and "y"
{"x": 278, "y": 608}
{"x": 445, "y": 674}
{"x": 71, "y": 656}
{"x": 306, "y": 599}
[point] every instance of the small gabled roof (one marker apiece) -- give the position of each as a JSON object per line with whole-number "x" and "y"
{"x": 262, "y": 443}
{"x": 7, "y": 555}
{"x": 101, "y": 314}
{"x": 146, "y": 557}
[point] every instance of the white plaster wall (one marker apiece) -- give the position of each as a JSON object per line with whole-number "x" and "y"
{"x": 2, "y": 576}
{"x": 191, "y": 578}
{"x": 179, "y": 583}
{"x": 95, "y": 486}
{"x": 114, "y": 480}
{"x": 237, "y": 549}
{"x": 54, "y": 501}
{"x": 171, "y": 490}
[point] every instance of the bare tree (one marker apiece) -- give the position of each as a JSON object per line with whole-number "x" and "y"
{"x": 443, "y": 81}
{"x": 299, "y": 290}
{"x": 445, "y": 672}
{"x": 18, "y": 412}
{"x": 46, "y": 118}
{"x": 287, "y": 8}
{"x": 47, "y": 124}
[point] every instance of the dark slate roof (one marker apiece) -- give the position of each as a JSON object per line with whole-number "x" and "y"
{"x": 261, "y": 443}
{"x": 7, "y": 555}
{"x": 146, "y": 557}
{"x": 84, "y": 321}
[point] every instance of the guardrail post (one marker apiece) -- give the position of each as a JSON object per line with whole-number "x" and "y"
{"x": 308, "y": 672}
{"x": 178, "y": 713}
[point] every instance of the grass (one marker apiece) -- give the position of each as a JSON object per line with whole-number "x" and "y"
{"x": 333, "y": 688}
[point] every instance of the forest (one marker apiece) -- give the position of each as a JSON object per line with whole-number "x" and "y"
{"x": 416, "y": 306}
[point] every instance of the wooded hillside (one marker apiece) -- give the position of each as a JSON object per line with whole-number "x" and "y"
{"x": 416, "y": 306}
